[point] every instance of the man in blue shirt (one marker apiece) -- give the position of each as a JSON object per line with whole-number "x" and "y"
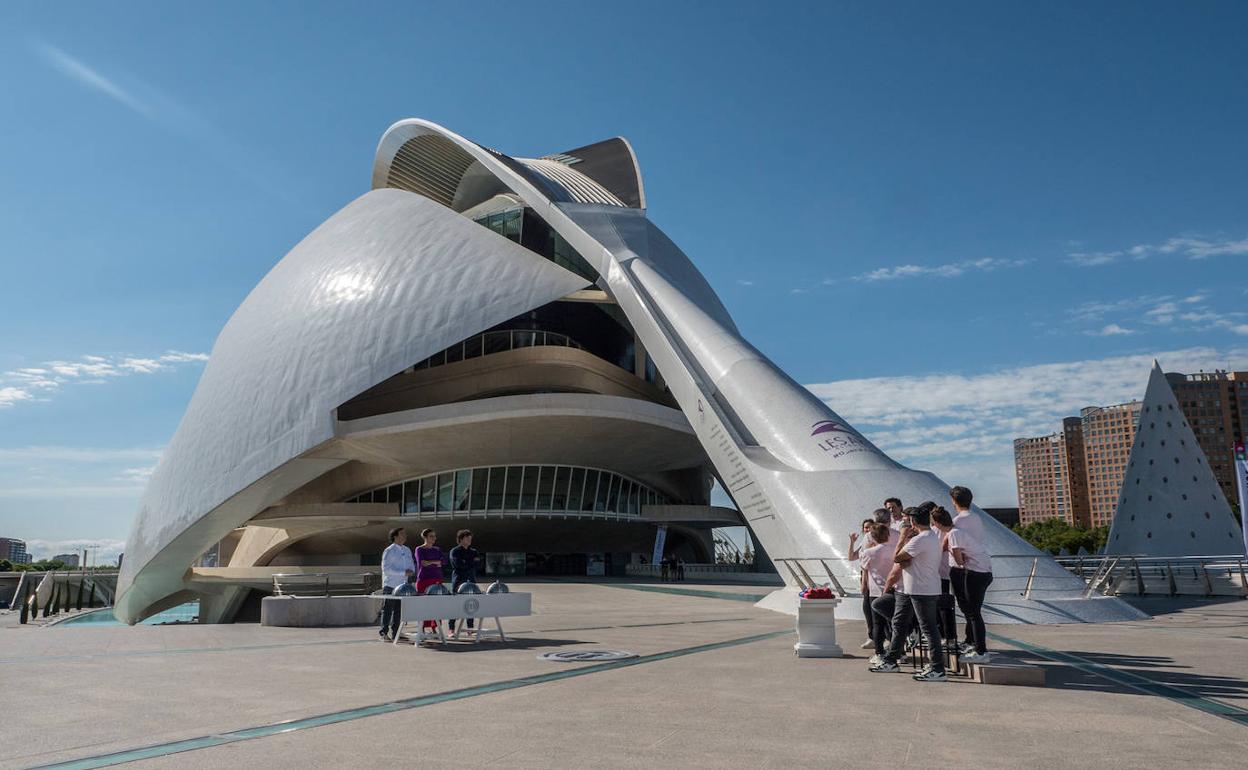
{"x": 463, "y": 566}
{"x": 397, "y": 568}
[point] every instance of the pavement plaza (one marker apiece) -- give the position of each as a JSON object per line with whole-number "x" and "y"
{"x": 716, "y": 685}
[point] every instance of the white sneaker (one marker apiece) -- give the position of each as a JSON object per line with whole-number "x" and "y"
{"x": 866, "y": 645}
{"x": 875, "y": 660}
{"x": 974, "y": 657}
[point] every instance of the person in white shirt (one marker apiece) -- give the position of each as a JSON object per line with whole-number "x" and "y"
{"x": 877, "y": 561}
{"x": 896, "y": 512}
{"x": 855, "y": 554}
{"x": 970, "y": 583}
{"x": 397, "y": 568}
{"x": 918, "y": 554}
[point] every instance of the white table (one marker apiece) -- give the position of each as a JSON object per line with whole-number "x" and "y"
{"x": 460, "y": 607}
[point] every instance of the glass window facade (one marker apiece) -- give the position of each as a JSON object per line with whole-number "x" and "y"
{"x": 517, "y": 488}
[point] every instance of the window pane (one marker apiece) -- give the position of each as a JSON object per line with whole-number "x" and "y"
{"x": 455, "y": 353}
{"x": 480, "y": 482}
{"x": 591, "y": 489}
{"x": 472, "y": 348}
{"x": 574, "y": 489}
{"x": 604, "y": 489}
{"x": 394, "y": 494}
{"x": 511, "y": 501}
{"x": 428, "y": 493}
{"x": 495, "y": 501}
{"x": 463, "y": 488}
{"x": 497, "y": 342}
{"x": 545, "y": 483}
{"x": 559, "y": 496}
{"x": 613, "y": 498}
{"x": 528, "y": 495}
{"x": 411, "y": 497}
{"x": 446, "y": 491}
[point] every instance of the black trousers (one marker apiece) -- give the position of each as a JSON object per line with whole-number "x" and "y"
{"x": 976, "y": 587}
{"x": 882, "y": 609}
{"x": 867, "y": 614}
{"x": 923, "y": 609}
{"x": 456, "y": 582}
{"x": 391, "y": 613}
{"x": 948, "y": 622}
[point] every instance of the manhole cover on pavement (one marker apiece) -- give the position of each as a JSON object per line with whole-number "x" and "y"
{"x": 586, "y": 656}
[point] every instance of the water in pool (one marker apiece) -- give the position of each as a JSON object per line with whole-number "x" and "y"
{"x": 183, "y": 613}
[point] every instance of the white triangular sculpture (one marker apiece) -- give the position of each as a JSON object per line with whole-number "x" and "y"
{"x": 1170, "y": 504}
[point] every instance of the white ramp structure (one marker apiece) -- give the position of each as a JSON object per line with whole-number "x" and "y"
{"x": 404, "y": 271}
{"x": 1170, "y": 503}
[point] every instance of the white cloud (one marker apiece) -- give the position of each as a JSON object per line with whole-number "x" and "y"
{"x": 951, "y": 270}
{"x": 743, "y": 282}
{"x": 1190, "y": 247}
{"x": 34, "y": 383}
{"x": 1111, "y": 330}
{"x": 76, "y": 454}
{"x": 963, "y": 426}
{"x": 105, "y": 550}
{"x": 87, "y": 76}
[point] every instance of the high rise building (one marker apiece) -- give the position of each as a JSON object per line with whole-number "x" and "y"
{"x": 70, "y": 560}
{"x": 1107, "y": 435}
{"x": 1052, "y": 481}
{"x": 1216, "y": 406}
{"x": 14, "y": 550}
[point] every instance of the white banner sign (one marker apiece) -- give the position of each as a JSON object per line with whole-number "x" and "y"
{"x": 660, "y": 540}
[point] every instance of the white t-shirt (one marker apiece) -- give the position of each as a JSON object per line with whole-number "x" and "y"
{"x": 921, "y": 575}
{"x": 973, "y": 551}
{"x": 876, "y": 562}
{"x": 897, "y": 524}
{"x": 971, "y": 523}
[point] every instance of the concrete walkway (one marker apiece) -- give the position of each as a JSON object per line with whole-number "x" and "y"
{"x": 717, "y": 686}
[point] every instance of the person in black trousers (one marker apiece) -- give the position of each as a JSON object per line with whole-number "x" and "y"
{"x": 463, "y": 568}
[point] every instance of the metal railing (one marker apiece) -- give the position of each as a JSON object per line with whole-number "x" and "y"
{"x": 44, "y": 594}
{"x": 325, "y": 583}
{"x": 488, "y": 343}
{"x": 810, "y": 571}
{"x": 1112, "y": 575}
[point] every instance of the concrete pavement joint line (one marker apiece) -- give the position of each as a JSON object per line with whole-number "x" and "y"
{"x": 178, "y": 651}
{"x": 1134, "y": 681}
{"x": 334, "y": 717}
{"x": 691, "y": 592}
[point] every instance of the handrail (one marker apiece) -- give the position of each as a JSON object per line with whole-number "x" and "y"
{"x": 325, "y": 579}
{"x": 531, "y": 338}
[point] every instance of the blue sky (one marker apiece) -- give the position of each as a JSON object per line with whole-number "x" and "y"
{"x": 956, "y": 222}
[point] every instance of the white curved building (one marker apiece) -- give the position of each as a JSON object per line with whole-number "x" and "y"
{"x": 469, "y": 341}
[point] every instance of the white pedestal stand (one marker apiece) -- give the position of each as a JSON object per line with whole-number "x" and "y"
{"x": 816, "y": 629}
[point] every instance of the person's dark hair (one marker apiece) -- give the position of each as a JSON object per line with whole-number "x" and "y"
{"x": 942, "y": 517}
{"x": 882, "y": 516}
{"x": 927, "y": 505}
{"x": 394, "y": 533}
{"x": 463, "y": 533}
{"x": 921, "y": 516}
{"x": 962, "y": 496}
{"x": 888, "y": 500}
{"x": 426, "y": 532}
{"x": 866, "y": 523}
{"x": 879, "y": 532}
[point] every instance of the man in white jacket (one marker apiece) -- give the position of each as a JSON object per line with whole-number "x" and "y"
{"x": 397, "y": 568}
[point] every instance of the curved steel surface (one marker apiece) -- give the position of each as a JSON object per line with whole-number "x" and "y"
{"x": 330, "y": 322}
{"x": 390, "y": 279}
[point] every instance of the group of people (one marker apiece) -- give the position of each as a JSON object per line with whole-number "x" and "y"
{"x": 422, "y": 567}
{"x": 916, "y": 564}
{"x": 671, "y": 568}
